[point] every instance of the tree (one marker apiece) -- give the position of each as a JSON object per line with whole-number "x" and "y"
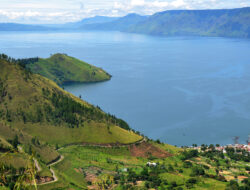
{"x": 197, "y": 171}
{"x": 30, "y": 150}
{"x": 217, "y": 171}
{"x": 233, "y": 185}
{"x": 203, "y": 147}
{"x": 15, "y": 142}
{"x": 189, "y": 154}
{"x": 158, "y": 141}
{"x": 211, "y": 147}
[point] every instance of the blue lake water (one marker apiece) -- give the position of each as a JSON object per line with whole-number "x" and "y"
{"x": 182, "y": 90}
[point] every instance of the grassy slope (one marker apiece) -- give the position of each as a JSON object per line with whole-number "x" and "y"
{"x": 62, "y": 68}
{"x": 46, "y": 153}
{"x": 26, "y": 95}
{"x": 96, "y": 133}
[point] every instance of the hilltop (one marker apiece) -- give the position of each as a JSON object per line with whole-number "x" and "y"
{"x": 62, "y": 68}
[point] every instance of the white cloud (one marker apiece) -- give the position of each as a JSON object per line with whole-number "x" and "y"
{"x": 178, "y": 3}
{"x": 160, "y": 4}
{"x": 60, "y": 11}
{"x": 137, "y": 3}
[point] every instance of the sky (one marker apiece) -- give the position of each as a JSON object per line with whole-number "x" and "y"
{"x": 62, "y": 11}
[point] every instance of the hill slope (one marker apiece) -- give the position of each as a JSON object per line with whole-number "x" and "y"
{"x": 62, "y": 68}
{"x": 223, "y": 23}
{"x": 120, "y": 24}
{"x": 96, "y": 20}
{"x": 226, "y": 23}
{"x": 39, "y": 108}
{"x": 21, "y": 27}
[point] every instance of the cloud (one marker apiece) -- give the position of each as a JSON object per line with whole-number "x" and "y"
{"x": 61, "y": 11}
{"x": 178, "y": 3}
{"x": 137, "y": 2}
{"x": 148, "y": 7}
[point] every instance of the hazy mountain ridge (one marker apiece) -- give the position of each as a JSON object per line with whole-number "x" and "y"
{"x": 220, "y": 22}
{"x": 120, "y": 24}
{"x": 22, "y": 27}
{"x": 224, "y": 23}
{"x": 83, "y": 22}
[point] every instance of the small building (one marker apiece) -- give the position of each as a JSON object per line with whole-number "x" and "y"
{"x": 151, "y": 164}
{"x": 124, "y": 170}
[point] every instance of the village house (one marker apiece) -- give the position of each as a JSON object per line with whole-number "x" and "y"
{"x": 151, "y": 164}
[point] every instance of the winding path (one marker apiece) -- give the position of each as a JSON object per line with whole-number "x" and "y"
{"x": 55, "y": 178}
{"x": 39, "y": 169}
{"x": 37, "y": 165}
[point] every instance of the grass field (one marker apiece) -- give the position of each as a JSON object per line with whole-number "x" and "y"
{"x": 91, "y": 133}
{"x": 15, "y": 160}
{"x": 62, "y": 68}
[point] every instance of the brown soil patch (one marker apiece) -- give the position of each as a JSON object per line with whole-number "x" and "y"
{"x": 234, "y": 170}
{"x": 145, "y": 150}
{"x": 91, "y": 177}
{"x": 44, "y": 180}
{"x": 242, "y": 177}
{"x": 92, "y": 174}
{"x": 205, "y": 164}
{"x": 229, "y": 178}
{"x": 139, "y": 183}
{"x": 93, "y": 187}
{"x": 77, "y": 170}
{"x": 226, "y": 172}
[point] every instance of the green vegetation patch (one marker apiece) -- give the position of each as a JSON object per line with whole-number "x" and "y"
{"x": 62, "y": 68}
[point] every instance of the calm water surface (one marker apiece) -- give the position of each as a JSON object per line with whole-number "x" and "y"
{"x": 181, "y": 90}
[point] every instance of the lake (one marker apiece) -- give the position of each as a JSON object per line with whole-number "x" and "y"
{"x": 181, "y": 90}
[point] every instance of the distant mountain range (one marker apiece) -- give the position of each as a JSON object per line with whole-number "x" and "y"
{"x": 21, "y": 27}
{"x": 226, "y": 23}
{"x": 84, "y": 22}
{"x": 223, "y": 23}
{"x": 119, "y": 24}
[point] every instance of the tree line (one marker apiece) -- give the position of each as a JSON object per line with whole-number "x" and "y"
{"x": 21, "y": 62}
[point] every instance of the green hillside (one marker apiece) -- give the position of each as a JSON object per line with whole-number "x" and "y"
{"x": 62, "y": 69}
{"x": 52, "y": 140}
{"x": 39, "y": 108}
